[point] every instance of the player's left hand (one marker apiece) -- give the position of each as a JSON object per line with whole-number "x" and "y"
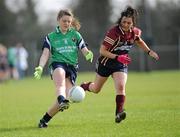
{"x": 153, "y": 54}
{"x": 89, "y": 56}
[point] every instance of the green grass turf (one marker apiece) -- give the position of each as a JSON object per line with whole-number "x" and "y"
{"x": 152, "y": 104}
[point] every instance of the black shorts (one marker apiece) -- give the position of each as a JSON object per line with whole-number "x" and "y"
{"x": 71, "y": 70}
{"x": 106, "y": 71}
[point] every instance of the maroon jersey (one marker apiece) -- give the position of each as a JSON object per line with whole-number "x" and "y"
{"x": 118, "y": 42}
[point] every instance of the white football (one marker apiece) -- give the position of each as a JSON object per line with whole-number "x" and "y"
{"x": 76, "y": 94}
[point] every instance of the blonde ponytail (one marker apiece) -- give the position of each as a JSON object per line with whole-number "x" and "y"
{"x": 76, "y": 24}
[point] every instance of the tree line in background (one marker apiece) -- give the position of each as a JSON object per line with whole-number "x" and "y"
{"x": 95, "y": 19}
{"x": 160, "y": 26}
{"x": 21, "y": 26}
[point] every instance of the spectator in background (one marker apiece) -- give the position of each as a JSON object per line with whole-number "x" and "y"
{"x": 4, "y": 72}
{"x": 22, "y": 63}
{"x": 12, "y": 61}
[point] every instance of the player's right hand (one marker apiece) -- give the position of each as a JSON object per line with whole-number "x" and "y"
{"x": 124, "y": 59}
{"x": 38, "y": 72}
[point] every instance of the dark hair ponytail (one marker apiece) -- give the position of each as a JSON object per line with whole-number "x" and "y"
{"x": 129, "y": 12}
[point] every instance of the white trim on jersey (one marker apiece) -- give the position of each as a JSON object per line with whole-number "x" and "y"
{"x": 109, "y": 40}
{"x": 47, "y": 40}
{"x": 81, "y": 44}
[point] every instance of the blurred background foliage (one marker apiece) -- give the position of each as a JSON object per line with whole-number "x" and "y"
{"x": 160, "y": 23}
{"x": 95, "y": 19}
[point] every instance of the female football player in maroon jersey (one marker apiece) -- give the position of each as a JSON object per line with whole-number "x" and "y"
{"x": 114, "y": 58}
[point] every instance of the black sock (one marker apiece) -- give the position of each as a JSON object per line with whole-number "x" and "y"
{"x": 60, "y": 98}
{"x": 46, "y": 117}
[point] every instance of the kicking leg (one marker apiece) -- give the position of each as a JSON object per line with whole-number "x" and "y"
{"x": 95, "y": 86}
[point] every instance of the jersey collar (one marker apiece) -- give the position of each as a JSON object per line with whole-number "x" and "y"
{"x": 57, "y": 29}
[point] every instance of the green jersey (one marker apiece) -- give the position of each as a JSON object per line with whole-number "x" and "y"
{"x": 64, "y": 47}
{"x": 12, "y": 56}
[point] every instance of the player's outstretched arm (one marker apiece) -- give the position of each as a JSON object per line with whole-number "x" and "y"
{"x": 144, "y": 46}
{"x": 42, "y": 62}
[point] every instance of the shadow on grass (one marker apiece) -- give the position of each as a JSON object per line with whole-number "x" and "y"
{"x": 30, "y": 128}
{"x": 18, "y": 129}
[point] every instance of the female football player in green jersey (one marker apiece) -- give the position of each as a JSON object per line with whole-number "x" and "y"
{"x": 63, "y": 45}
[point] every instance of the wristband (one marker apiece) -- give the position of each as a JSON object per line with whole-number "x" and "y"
{"x": 148, "y": 52}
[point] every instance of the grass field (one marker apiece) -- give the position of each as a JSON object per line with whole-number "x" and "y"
{"x": 152, "y": 104}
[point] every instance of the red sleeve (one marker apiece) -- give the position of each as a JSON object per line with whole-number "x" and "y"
{"x": 109, "y": 38}
{"x": 137, "y": 33}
